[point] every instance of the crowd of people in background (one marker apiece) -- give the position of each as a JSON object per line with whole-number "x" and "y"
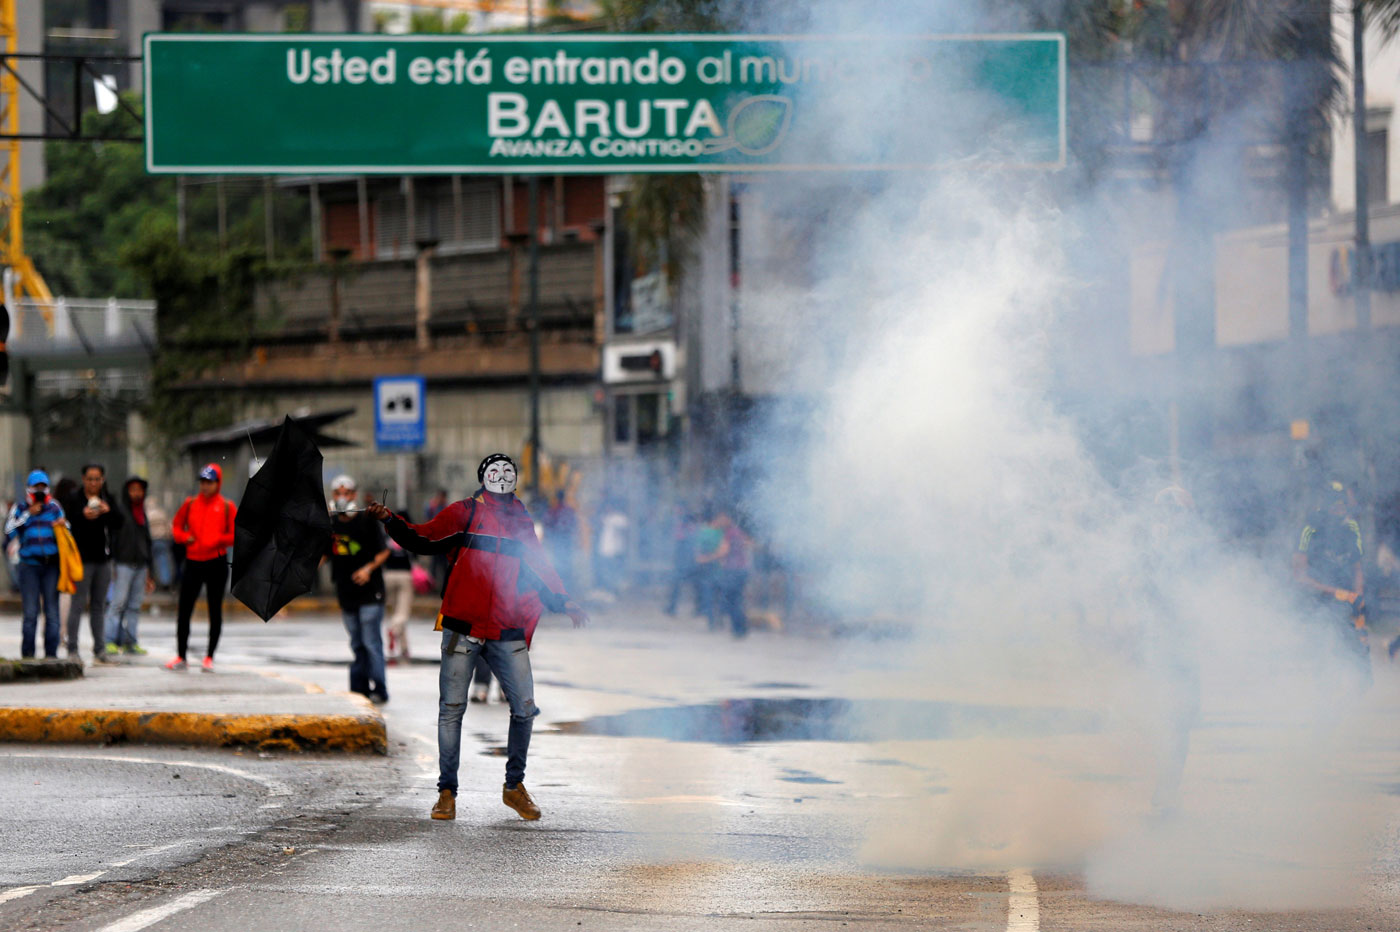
{"x": 104, "y": 553}
{"x": 101, "y": 553}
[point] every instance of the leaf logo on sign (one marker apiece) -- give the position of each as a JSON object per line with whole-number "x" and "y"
{"x": 756, "y": 126}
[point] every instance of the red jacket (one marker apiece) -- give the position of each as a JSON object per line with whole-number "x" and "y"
{"x": 204, "y": 524}
{"x": 500, "y": 580}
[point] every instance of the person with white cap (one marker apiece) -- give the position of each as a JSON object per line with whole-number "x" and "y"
{"x": 32, "y": 521}
{"x": 358, "y": 552}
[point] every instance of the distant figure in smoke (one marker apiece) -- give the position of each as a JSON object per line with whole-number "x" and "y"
{"x": 614, "y": 528}
{"x": 733, "y": 557}
{"x": 561, "y": 536}
{"x": 1169, "y": 653}
{"x": 499, "y": 584}
{"x": 683, "y": 565}
{"x": 1328, "y": 566}
{"x": 706, "y": 544}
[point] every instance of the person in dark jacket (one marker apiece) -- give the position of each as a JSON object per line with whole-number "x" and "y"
{"x": 93, "y": 519}
{"x": 499, "y": 583}
{"x": 132, "y": 574}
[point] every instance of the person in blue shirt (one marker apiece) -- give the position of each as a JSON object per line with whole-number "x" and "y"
{"x": 32, "y": 521}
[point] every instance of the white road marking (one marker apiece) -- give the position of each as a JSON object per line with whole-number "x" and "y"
{"x": 15, "y": 893}
{"x": 144, "y": 854}
{"x": 1023, "y": 906}
{"x": 72, "y": 880}
{"x": 149, "y": 917}
{"x": 274, "y": 787}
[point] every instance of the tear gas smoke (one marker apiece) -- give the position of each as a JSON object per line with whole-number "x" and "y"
{"x": 926, "y": 470}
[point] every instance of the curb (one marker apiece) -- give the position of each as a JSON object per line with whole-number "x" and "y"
{"x": 355, "y": 734}
{"x": 47, "y": 669}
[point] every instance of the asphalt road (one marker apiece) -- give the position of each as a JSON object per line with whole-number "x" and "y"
{"x": 689, "y": 781}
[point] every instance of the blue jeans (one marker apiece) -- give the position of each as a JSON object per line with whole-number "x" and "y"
{"x": 727, "y": 598}
{"x": 162, "y": 563}
{"x": 510, "y": 661}
{"x": 367, "y": 644}
{"x": 124, "y": 607}
{"x": 36, "y": 583}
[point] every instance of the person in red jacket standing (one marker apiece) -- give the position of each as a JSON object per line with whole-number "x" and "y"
{"x": 499, "y": 583}
{"x": 204, "y": 524}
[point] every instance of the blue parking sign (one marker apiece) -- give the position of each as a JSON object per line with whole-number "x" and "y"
{"x": 399, "y": 422}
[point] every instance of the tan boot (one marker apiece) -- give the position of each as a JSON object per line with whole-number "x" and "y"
{"x": 446, "y": 806}
{"x": 519, "y": 800}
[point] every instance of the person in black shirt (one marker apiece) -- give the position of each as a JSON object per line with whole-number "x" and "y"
{"x": 358, "y": 549}
{"x": 93, "y": 520}
{"x": 1328, "y": 566}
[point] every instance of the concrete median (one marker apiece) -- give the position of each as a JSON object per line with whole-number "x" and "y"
{"x": 232, "y": 708}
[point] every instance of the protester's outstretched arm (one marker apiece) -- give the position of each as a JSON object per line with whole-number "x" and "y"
{"x": 436, "y": 536}
{"x": 557, "y": 602}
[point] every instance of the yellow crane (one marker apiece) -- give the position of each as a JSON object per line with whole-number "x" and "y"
{"x": 28, "y": 281}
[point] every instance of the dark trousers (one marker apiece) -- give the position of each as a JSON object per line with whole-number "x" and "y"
{"x": 39, "y": 583}
{"x": 683, "y": 575}
{"x": 727, "y": 598}
{"x": 199, "y": 574}
{"x": 707, "y": 591}
{"x": 90, "y": 593}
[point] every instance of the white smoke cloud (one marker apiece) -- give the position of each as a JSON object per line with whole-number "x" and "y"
{"x": 932, "y": 479}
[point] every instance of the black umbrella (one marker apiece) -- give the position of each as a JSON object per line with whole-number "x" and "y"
{"x": 283, "y": 526}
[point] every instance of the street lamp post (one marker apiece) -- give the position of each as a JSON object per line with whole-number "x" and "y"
{"x": 533, "y": 207}
{"x": 1361, "y": 286}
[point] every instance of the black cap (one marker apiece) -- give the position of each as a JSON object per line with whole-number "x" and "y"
{"x": 493, "y": 458}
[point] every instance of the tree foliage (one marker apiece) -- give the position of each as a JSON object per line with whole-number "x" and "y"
{"x": 96, "y": 198}
{"x": 101, "y": 225}
{"x": 665, "y": 212}
{"x": 204, "y": 316}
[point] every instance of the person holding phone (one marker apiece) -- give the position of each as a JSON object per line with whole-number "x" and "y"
{"x": 32, "y": 522}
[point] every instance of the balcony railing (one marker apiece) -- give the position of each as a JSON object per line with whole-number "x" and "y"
{"x": 84, "y": 325}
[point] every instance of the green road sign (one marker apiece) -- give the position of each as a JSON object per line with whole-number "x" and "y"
{"x": 356, "y": 103}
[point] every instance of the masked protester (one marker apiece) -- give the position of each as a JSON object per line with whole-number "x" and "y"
{"x": 499, "y": 583}
{"x": 32, "y": 521}
{"x": 358, "y": 551}
{"x": 204, "y": 524}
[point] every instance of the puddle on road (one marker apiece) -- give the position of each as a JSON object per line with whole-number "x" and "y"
{"x": 739, "y": 721}
{"x": 805, "y": 776}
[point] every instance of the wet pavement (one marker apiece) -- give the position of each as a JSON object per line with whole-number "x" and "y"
{"x": 688, "y": 781}
{"x": 742, "y": 721}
